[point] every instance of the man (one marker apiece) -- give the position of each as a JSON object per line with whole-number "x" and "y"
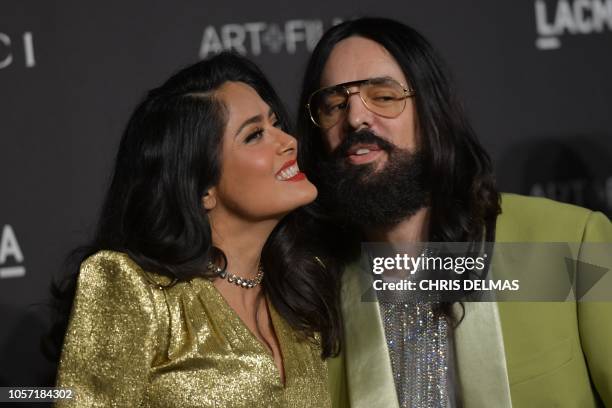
{"x": 385, "y": 140}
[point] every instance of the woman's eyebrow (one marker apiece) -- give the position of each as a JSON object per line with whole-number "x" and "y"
{"x": 254, "y": 119}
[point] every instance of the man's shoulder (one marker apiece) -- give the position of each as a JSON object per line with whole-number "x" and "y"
{"x": 538, "y": 207}
{"x": 540, "y": 219}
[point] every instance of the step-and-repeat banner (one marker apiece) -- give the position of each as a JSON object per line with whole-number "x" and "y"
{"x": 535, "y": 75}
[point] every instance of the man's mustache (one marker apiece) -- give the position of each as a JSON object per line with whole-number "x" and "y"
{"x": 362, "y": 136}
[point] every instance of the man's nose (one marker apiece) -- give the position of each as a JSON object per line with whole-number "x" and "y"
{"x": 358, "y": 115}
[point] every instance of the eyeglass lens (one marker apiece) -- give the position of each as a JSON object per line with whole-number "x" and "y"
{"x": 383, "y": 96}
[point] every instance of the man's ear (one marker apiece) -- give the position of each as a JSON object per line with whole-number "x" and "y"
{"x": 209, "y": 200}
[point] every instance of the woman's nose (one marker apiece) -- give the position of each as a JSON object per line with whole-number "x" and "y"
{"x": 287, "y": 143}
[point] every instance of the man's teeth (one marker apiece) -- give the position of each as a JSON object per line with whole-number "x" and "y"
{"x": 362, "y": 151}
{"x": 288, "y": 173}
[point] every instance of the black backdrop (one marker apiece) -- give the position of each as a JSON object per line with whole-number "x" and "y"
{"x": 535, "y": 76}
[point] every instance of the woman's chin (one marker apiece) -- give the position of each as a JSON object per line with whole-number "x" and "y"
{"x": 304, "y": 197}
{"x": 309, "y": 194}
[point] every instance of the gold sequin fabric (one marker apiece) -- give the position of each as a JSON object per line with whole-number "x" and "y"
{"x": 132, "y": 343}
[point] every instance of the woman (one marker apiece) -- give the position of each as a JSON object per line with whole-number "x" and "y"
{"x": 199, "y": 291}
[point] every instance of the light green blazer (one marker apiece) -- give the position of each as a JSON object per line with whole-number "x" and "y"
{"x": 508, "y": 354}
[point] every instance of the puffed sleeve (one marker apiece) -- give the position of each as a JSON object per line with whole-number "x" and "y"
{"x": 110, "y": 342}
{"x": 595, "y": 317}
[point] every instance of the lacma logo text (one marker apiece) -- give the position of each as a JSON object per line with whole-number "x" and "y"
{"x": 577, "y": 17}
{"x": 10, "y": 255}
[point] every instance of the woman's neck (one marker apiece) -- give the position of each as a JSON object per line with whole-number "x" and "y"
{"x": 241, "y": 241}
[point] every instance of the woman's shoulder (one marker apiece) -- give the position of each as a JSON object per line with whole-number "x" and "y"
{"x": 114, "y": 266}
{"x": 110, "y": 260}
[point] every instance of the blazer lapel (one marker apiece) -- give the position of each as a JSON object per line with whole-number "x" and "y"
{"x": 368, "y": 367}
{"x": 481, "y": 361}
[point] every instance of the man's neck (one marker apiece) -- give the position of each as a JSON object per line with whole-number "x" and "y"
{"x": 412, "y": 229}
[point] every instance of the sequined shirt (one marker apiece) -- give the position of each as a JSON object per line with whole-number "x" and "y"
{"x": 131, "y": 343}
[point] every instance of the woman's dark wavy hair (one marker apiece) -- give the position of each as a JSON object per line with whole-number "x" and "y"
{"x": 464, "y": 202}
{"x": 168, "y": 157}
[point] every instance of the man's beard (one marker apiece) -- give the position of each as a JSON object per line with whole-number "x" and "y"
{"x": 366, "y": 197}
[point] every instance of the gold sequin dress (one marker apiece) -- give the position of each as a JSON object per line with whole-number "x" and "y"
{"x": 131, "y": 343}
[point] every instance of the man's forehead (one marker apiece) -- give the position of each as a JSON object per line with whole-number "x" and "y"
{"x": 358, "y": 58}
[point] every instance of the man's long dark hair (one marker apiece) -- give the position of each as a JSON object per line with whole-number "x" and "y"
{"x": 464, "y": 202}
{"x": 168, "y": 158}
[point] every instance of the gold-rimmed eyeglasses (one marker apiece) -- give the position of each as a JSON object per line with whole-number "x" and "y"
{"x": 384, "y": 96}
